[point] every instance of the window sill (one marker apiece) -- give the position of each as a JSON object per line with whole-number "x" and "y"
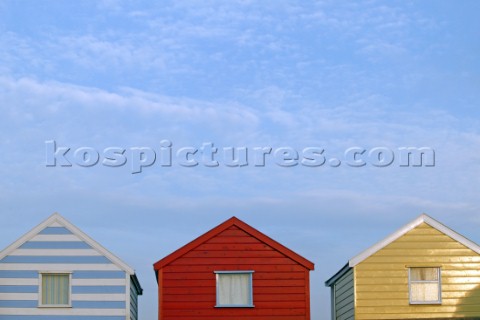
{"x": 59, "y": 306}
{"x": 235, "y": 306}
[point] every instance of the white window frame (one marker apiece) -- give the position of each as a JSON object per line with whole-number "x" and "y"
{"x": 40, "y": 296}
{"x": 438, "y": 282}
{"x": 250, "y": 286}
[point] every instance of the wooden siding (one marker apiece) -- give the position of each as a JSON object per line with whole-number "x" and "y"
{"x": 343, "y": 293}
{"x": 187, "y": 286}
{"x": 98, "y": 286}
{"x": 133, "y": 302}
{"x": 381, "y": 280}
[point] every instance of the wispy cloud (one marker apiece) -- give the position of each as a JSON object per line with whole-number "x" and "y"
{"x": 78, "y": 115}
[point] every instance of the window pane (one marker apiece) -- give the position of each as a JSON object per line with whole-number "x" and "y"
{"x": 55, "y": 289}
{"x": 424, "y": 292}
{"x": 234, "y": 289}
{"x": 424, "y": 274}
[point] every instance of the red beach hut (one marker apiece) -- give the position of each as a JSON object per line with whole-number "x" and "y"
{"x": 233, "y": 272}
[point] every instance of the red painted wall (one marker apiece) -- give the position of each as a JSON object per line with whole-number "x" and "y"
{"x": 187, "y": 287}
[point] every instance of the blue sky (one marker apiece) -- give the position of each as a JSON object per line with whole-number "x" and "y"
{"x": 327, "y": 74}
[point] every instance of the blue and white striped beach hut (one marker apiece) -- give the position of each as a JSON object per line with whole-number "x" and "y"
{"x": 56, "y": 271}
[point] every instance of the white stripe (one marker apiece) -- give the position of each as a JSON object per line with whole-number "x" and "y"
{"x": 62, "y": 312}
{"x": 59, "y": 267}
{"x": 19, "y": 282}
{"x": 75, "y": 282}
{"x": 55, "y": 252}
{"x": 18, "y": 296}
{"x": 98, "y": 297}
{"x": 55, "y": 224}
{"x": 99, "y": 282}
{"x": 55, "y": 237}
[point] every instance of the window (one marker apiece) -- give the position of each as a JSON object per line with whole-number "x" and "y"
{"x": 234, "y": 289}
{"x": 54, "y": 289}
{"x": 425, "y": 285}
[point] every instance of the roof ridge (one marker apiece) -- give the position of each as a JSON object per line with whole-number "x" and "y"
{"x": 56, "y": 217}
{"x": 220, "y": 228}
{"x": 422, "y": 218}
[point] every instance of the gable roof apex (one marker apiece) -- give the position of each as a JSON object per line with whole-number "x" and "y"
{"x": 233, "y": 221}
{"x": 56, "y": 217}
{"x": 423, "y": 218}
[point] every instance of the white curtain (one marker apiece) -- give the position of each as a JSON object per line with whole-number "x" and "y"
{"x": 424, "y": 284}
{"x": 234, "y": 289}
{"x": 424, "y": 274}
{"x": 423, "y": 292}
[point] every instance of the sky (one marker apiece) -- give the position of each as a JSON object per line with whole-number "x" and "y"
{"x": 153, "y": 77}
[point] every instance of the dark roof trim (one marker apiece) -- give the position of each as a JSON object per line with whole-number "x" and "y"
{"x": 337, "y": 275}
{"x": 136, "y": 284}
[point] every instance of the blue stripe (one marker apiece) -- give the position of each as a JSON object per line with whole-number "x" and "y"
{"x": 98, "y": 289}
{"x": 99, "y": 304}
{"x": 19, "y": 289}
{"x": 55, "y": 230}
{"x": 18, "y": 274}
{"x": 98, "y": 275}
{"x": 54, "y": 259}
{"x": 18, "y": 304}
{"x": 61, "y": 317}
{"x": 55, "y": 245}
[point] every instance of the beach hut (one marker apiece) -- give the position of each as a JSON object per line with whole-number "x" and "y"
{"x": 233, "y": 272}
{"x": 56, "y": 271}
{"x": 424, "y": 270}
